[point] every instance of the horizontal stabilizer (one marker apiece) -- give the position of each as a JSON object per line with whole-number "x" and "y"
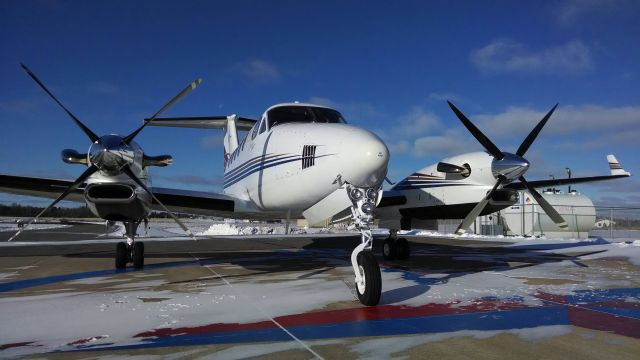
{"x": 203, "y": 122}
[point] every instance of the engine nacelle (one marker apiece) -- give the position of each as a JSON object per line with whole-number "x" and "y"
{"x": 71, "y": 156}
{"x": 504, "y": 197}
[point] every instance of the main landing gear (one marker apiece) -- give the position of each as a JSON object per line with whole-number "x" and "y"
{"x": 130, "y": 251}
{"x": 368, "y": 279}
{"x": 394, "y": 248}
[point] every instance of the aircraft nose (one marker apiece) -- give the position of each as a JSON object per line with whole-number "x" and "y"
{"x": 365, "y": 158}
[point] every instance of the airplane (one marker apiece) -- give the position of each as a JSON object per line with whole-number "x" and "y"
{"x": 298, "y": 161}
{"x": 466, "y": 186}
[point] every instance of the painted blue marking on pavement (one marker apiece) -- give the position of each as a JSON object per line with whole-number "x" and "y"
{"x": 603, "y": 295}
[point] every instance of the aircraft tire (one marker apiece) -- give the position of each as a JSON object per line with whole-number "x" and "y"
{"x": 138, "y": 255}
{"x": 403, "y": 250}
{"x": 121, "y": 255}
{"x": 370, "y": 290}
{"x": 389, "y": 249}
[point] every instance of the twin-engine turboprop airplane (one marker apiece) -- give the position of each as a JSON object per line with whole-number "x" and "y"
{"x": 467, "y": 186}
{"x": 299, "y": 160}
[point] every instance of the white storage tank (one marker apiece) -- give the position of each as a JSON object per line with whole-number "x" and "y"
{"x": 528, "y": 218}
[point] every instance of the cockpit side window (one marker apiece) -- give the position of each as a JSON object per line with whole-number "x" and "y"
{"x": 258, "y": 126}
{"x": 263, "y": 126}
{"x": 303, "y": 114}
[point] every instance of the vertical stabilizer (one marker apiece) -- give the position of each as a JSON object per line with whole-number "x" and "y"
{"x": 230, "y": 138}
{"x": 615, "y": 167}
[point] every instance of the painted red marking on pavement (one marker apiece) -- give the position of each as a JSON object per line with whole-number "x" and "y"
{"x": 596, "y": 320}
{"x": 342, "y": 316}
{"x": 14, "y": 345}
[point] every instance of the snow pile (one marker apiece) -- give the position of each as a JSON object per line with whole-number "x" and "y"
{"x": 235, "y": 228}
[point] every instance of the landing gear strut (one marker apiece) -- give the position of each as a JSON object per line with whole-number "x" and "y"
{"x": 368, "y": 279}
{"x": 394, "y": 248}
{"x": 130, "y": 251}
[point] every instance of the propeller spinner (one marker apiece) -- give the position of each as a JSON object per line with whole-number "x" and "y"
{"x": 506, "y": 167}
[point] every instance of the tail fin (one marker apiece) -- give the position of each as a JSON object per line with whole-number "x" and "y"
{"x": 615, "y": 167}
{"x": 230, "y": 138}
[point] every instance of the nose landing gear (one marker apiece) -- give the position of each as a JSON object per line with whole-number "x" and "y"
{"x": 365, "y": 266}
{"x": 130, "y": 251}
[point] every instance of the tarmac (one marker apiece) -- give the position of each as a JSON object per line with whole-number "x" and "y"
{"x": 293, "y": 297}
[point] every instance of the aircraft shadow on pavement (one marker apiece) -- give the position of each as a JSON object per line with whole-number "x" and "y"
{"x": 317, "y": 256}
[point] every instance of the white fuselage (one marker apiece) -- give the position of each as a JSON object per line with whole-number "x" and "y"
{"x": 431, "y": 194}
{"x": 287, "y": 168}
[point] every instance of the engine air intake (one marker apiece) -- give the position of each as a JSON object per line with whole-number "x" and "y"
{"x": 109, "y": 192}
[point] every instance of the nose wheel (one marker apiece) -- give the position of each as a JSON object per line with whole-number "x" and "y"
{"x": 369, "y": 287}
{"x": 130, "y": 251}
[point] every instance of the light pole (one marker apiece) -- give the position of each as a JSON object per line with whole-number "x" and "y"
{"x": 569, "y": 174}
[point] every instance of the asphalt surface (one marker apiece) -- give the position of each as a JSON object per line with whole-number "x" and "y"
{"x": 293, "y": 297}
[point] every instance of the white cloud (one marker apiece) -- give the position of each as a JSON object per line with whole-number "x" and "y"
{"x": 622, "y": 122}
{"x": 398, "y": 146}
{"x": 258, "y": 71}
{"x": 508, "y": 56}
{"x": 417, "y": 121}
{"x": 451, "y": 142}
{"x": 569, "y": 12}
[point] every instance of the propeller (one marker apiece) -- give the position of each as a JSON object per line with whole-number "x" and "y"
{"x": 505, "y": 167}
{"x": 127, "y": 139}
{"x": 127, "y": 170}
{"x": 109, "y": 154}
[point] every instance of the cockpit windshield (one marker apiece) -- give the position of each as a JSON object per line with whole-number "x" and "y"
{"x": 303, "y": 114}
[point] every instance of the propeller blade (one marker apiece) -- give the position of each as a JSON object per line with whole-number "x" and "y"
{"x": 491, "y": 147}
{"x": 92, "y": 169}
{"x": 92, "y": 136}
{"x": 127, "y": 170}
{"x": 471, "y": 217}
{"x": 548, "y": 208}
{"x": 127, "y": 139}
{"x": 534, "y": 133}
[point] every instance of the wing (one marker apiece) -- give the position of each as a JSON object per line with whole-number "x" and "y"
{"x": 559, "y": 182}
{"x": 185, "y": 201}
{"x": 39, "y": 187}
{"x": 616, "y": 169}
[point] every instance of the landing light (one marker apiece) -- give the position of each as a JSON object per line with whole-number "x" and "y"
{"x": 355, "y": 194}
{"x": 367, "y": 208}
{"x": 371, "y": 194}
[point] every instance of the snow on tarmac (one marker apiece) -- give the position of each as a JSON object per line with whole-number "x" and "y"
{"x": 120, "y": 310}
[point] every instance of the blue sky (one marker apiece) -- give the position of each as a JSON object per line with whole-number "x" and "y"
{"x": 389, "y": 67}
